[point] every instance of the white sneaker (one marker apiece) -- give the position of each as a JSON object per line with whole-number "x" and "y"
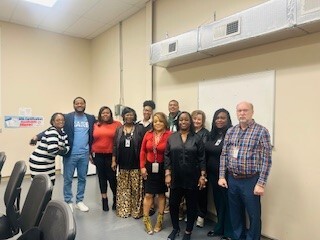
{"x": 82, "y": 207}
{"x": 200, "y": 222}
{"x": 71, "y": 206}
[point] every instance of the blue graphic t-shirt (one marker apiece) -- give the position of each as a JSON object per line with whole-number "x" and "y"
{"x": 81, "y": 135}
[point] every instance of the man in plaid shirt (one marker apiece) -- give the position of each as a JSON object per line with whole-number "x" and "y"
{"x": 245, "y": 164}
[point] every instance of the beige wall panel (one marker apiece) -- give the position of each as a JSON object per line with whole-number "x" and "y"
{"x": 134, "y": 61}
{"x": 106, "y": 69}
{"x": 43, "y": 71}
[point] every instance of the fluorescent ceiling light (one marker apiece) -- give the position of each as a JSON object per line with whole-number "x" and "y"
{"x": 47, "y": 3}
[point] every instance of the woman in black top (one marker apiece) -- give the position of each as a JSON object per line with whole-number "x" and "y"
{"x": 199, "y": 119}
{"x": 185, "y": 172}
{"x": 220, "y": 124}
{"x": 126, "y": 153}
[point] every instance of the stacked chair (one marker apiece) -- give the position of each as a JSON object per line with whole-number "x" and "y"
{"x": 2, "y": 160}
{"x": 57, "y": 223}
{"x": 9, "y": 222}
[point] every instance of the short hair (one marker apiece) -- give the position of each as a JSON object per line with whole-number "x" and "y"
{"x": 100, "y": 112}
{"x": 54, "y": 116}
{"x": 192, "y": 129}
{"x": 200, "y": 112}
{"x": 129, "y": 110}
{"x": 149, "y": 103}
{"x": 162, "y": 117}
{"x": 173, "y": 100}
{"x": 74, "y": 101}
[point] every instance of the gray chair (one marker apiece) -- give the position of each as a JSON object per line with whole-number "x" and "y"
{"x": 37, "y": 199}
{"x": 2, "y": 160}
{"x": 9, "y": 225}
{"x": 57, "y": 223}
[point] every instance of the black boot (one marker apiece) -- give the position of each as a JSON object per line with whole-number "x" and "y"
{"x": 105, "y": 206}
{"x": 114, "y": 205}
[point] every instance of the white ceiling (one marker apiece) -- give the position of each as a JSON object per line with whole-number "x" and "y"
{"x": 78, "y": 18}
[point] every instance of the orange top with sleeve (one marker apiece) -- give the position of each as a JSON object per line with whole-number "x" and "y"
{"x": 103, "y": 135}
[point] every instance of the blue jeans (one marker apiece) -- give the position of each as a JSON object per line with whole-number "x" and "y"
{"x": 241, "y": 198}
{"x": 79, "y": 162}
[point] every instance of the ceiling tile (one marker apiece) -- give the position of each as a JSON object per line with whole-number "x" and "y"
{"x": 106, "y": 10}
{"x": 58, "y": 21}
{"x": 84, "y": 27}
{"x": 7, "y": 7}
{"x": 29, "y": 14}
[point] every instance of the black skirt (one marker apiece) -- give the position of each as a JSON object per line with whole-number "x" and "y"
{"x": 155, "y": 183}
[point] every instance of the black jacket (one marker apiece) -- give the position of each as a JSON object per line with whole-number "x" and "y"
{"x": 185, "y": 160}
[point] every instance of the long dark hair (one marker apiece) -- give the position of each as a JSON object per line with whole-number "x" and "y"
{"x": 192, "y": 130}
{"x": 100, "y": 112}
{"x": 214, "y": 130}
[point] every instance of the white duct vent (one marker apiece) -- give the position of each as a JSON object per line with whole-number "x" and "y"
{"x": 308, "y": 15}
{"x": 264, "y": 23}
{"x": 309, "y": 6}
{"x": 168, "y": 48}
{"x": 226, "y": 30}
{"x": 176, "y": 50}
{"x": 271, "y": 21}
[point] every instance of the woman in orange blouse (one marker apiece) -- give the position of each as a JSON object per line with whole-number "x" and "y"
{"x": 152, "y": 169}
{"x": 103, "y": 134}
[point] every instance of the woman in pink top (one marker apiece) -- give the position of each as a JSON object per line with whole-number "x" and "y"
{"x": 152, "y": 169}
{"x": 103, "y": 134}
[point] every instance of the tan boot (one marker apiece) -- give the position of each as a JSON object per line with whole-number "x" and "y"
{"x": 147, "y": 224}
{"x": 158, "y": 226}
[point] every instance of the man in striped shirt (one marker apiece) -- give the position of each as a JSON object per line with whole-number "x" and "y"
{"x": 245, "y": 164}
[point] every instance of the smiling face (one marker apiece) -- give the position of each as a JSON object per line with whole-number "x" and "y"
{"x": 184, "y": 122}
{"x": 128, "y": 118}
{"x": 221, "y": 120}
{"x": 147, "y": 112}
{"x": 173, "y": 107}
{"x": 79, "y": 105}
{"x": 197, "y": 121}
{"x": 158, "y": 124}
{"x": 106, "y": 115}
{"x": 58, "y": 121}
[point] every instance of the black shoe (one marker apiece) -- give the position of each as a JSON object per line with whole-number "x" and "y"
{"x": 225, "y": 238}
{"x": 186, "y": 236}
{"x": 151, "y": 212}
{"x": 114, "y": 206}
{"x": 173, "y": 234}
{"x": 105, "y": 206}
{"x": 212, "y": 234}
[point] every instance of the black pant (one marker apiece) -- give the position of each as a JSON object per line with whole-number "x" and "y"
{"x": 191, "y": 202}
{"x": 105, "y": 173}
{"x": 202, "y": 202}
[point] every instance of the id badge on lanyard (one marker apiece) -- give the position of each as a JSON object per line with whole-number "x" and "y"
{"x": 127, "y": 143}
{"x": 155, "y": 167}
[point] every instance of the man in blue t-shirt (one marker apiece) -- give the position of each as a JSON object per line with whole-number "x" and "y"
{"x": 79, "y": 128}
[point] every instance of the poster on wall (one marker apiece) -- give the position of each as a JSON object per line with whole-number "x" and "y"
{"x": 23, "y": 121}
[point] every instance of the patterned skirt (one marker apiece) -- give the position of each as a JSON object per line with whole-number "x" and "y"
{"x": 129, "y": 193}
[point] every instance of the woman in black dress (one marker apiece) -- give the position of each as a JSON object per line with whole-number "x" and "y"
{"x": 220, "y": 124}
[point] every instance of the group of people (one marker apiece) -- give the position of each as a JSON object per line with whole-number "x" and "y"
{"x": 145, "y": 159}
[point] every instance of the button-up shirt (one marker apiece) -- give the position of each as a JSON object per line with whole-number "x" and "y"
{"x": 247, "y": 152}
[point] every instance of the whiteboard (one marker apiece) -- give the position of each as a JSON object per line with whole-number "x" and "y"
{"x": 257, "y": 88}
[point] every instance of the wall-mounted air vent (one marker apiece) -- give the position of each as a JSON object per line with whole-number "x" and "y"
{"x": 226, "y": 30}
{"x": 268, "y": 22}
{"x": 309, "y": 6}
{"x": 308, "y": 15}
{"x": 169, "y": 48}
{"x": 176, "y": 50}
